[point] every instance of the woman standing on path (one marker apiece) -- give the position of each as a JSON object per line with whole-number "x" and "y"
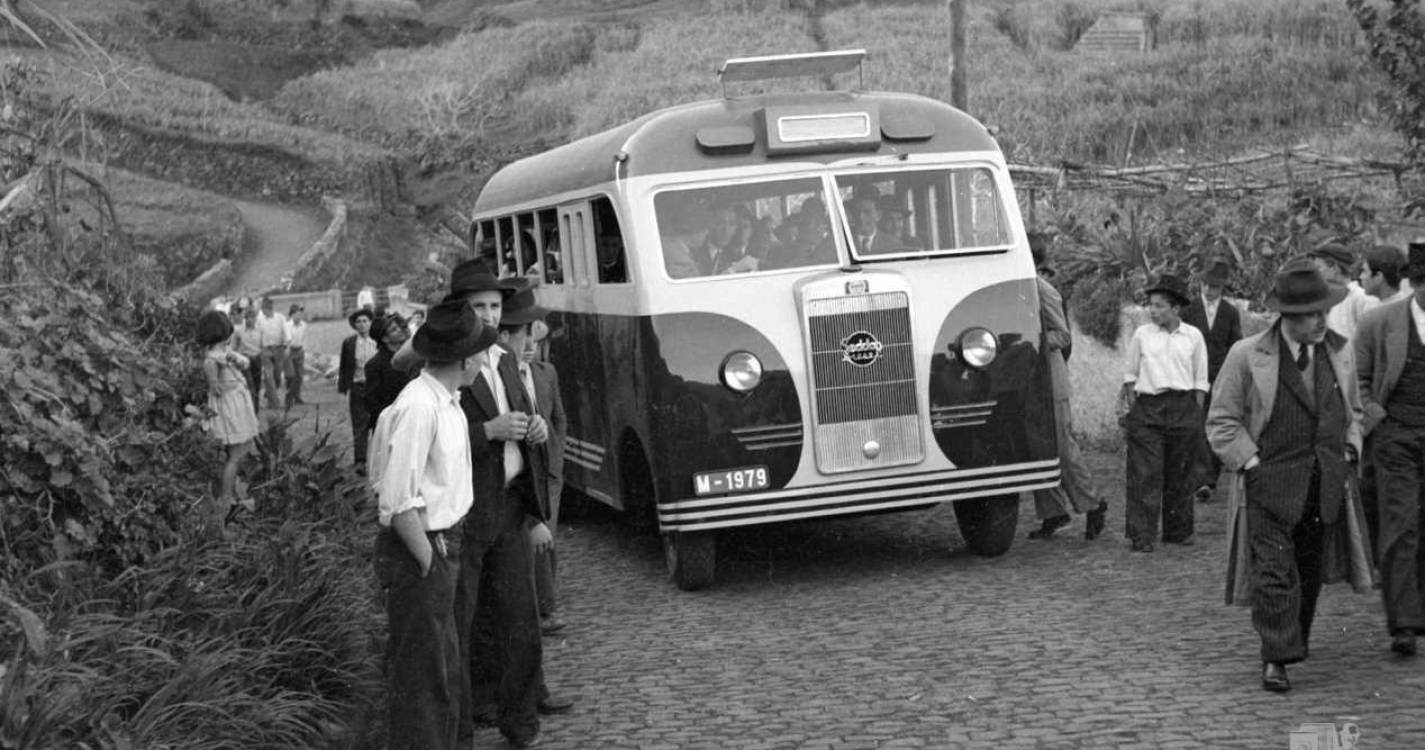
{"x": 233, "y": 422}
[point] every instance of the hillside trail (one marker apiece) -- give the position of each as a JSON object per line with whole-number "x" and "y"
{"x": 277, "y": 236}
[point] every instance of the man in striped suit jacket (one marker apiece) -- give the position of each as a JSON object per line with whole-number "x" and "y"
{"x": 1286, "y": 413}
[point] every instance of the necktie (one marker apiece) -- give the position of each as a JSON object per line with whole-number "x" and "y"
{"x": 528, "y": 378}
{"x": 1303, "y": 357}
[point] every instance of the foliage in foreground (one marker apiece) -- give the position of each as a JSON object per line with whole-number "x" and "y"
{"x": 1397, "y": 45}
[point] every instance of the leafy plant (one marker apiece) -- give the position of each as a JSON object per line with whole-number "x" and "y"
{"x": 1397, "y": 45}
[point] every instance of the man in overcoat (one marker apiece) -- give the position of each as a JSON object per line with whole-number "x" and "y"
{"x": 1286, "y": 414}
{"x": 1390, "y": 360}
{"x": 1221, "y": 327}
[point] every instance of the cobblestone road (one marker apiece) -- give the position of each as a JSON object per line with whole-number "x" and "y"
{"x": 881, "y": 633}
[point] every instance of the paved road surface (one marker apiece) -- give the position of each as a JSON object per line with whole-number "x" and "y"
{"x": 881, "y": 633}
{"x": 280, "y": 235}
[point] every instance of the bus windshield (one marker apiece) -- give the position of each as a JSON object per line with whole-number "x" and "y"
{"x": 755, "y": 226}
{"x": 787, "y": 223}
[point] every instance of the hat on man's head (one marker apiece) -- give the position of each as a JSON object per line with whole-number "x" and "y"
{"x": 1415, "y": 261}
{"x": 522, "y": 308}
{"x": 359, "y": 312}
{"x": 476, "y": 276}
{"x": 1334, "y": 252}
{"x": 1172, "y": 286}
{"x": 1300, "y": 288}
{"x": 451, "y": 333}
{"x": 1216, "y": 272}
{"x": 294, "y": 309}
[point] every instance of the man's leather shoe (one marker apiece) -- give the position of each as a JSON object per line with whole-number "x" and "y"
{"x": 554, "y": 704}
{"x": 1142, "y": 546}
{"x": 1274, "y": 677}
{"x": 1203, "y": 494}
{"x": 550, "y": 624}
{"x": 1095, "y": 520}
{"x": 1186, "y": 541}
{"x": 1403, "y": 643}
{"x": 1049, "y": 526}
{"x": 523, "y": 742}
{"x": 484, "y": 716}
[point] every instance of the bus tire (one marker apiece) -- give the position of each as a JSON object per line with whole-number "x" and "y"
{"x": 692, "y": 558}
{"x": 988, "y": 523}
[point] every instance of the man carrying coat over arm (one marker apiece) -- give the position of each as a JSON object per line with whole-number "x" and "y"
{"x": 1286, "y": 418}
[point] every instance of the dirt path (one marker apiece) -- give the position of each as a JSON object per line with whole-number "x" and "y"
{"x": 278, "y": 235}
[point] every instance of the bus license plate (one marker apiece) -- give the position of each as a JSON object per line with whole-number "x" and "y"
{"x": 732, "y": 480}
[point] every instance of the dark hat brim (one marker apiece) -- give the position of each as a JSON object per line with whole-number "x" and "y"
{"x": 360, "y": 312}
{"x": 1335, "y": 293}
{"x": 1182, "y": 299}
{"x": 524, "y": 315}
{"x": 478, "y": 340}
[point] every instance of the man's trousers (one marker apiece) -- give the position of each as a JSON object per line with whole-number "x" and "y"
{"x": 1163, "y": 434}
{"x": 1286, "y": 576}
{"x": 1399, "y": 458}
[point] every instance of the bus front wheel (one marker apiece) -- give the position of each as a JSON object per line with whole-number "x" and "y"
{"x": 692, "y": 558}
{"x": 988, "y": 523}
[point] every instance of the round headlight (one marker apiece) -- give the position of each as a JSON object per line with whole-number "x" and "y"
{"x": 978, "y": 347}
{"x": 741, "y": 371}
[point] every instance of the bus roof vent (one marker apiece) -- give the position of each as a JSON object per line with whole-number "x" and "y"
{"x": 739, "y": 69}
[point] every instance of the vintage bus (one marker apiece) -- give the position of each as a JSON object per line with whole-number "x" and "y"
{"x": 786, "y": 306}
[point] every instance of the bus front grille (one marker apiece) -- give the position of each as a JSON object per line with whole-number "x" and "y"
{"x": 863, "y": 382}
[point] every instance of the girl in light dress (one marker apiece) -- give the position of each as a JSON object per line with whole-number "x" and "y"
{"x": 232, "y": 422}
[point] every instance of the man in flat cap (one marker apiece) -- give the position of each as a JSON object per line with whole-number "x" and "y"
{"x": 1336, "y": 262}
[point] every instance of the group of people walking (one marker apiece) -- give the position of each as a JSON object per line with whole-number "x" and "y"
{"x": 1330, "y": 394}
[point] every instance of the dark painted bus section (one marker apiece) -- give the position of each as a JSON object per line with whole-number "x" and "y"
{"x": 1020, "y": 426}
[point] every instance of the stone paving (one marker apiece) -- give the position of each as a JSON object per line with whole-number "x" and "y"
{"x": 881, "y": 632}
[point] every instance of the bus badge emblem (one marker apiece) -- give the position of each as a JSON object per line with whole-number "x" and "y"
{"x": 861, "y": 349}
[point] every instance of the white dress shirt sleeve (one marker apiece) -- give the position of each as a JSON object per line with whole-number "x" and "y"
{"x": 404, "y": 446}
{"x": 1135, "y": 356}
{"x": 1199, "y": 363}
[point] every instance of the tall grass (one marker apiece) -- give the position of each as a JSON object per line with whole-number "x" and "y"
{"x": 1051, "y": 104}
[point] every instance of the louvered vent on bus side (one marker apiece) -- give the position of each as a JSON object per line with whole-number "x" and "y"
{"x": 863, "y": 382}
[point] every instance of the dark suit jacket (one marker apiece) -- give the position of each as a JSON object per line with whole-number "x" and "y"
{"x": 1226, "y": 330}
{"x": 495, "y": 510}
{"x": 551, "y": 407}
{"x": 383, "y": 383}
{"x": 346, "y": 370}
{"x": 1381, "y": 347}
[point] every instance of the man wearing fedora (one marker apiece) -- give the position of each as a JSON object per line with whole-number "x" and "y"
{"x": 1390, "y": 361}
{"x": 421, "y": 474}
{"x": 1164, "y": 386}
{"x": 1286, "y": 417}
{"x": 1221, "y": 327}
{"x": 505, "y": 527}
{"x": 1336, "y": 262}
{"x": 356, "y": 351}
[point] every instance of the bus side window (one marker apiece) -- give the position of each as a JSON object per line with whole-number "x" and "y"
{"x": 608, "y": 239}
{"x": 529, "y": 255}
{"x": 485, "y": 243}
{"x": 547, "y": 226}
{"x": 507, "y": 245}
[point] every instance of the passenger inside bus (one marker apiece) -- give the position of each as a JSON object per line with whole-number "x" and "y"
{"x": 613, "y": 269}
{"x": 895, "y": 223}
{"x": 870, "y": 240}
{"x": 814, "y": 244}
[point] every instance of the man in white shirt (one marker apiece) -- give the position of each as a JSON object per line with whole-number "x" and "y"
{"x": 1164, "y": 387}
{"x": 296, "y": 353}
{"x": 1336, "y": 262}
{"x": 421, "y": 474}
{"x": 272, "y": 337}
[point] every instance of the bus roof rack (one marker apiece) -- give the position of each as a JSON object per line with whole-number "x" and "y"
{"x": 739, "y": 69}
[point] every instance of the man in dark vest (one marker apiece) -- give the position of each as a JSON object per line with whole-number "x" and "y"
{"x": 1390, "y": 360}
{"x": 1221, "y": 327}
{"x": 1286, "y": 415}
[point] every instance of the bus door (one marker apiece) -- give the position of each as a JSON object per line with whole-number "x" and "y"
{"x": 579, "y": 356}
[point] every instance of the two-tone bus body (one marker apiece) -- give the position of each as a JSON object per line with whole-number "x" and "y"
{"x": 822, "y": 378}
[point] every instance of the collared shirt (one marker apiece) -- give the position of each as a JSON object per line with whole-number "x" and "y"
{"x": 1346, "y": 315}
{"x": 420, "y": 456}
{"x": 271, "y": 330}
{"x": 365, "y": 350}
{"x": 1308, "y": 375}
{"x": 527, "y": 376}
{"x": 247, "y": 341}
{"x": 297, "y": 334}
{"x": 514, "y": 462}
{"x": 1161, "y": 360}
{"x": 1419, "y": 315}
{"x": 1209, "y": 309}
{"x": 1400, "y": 294}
